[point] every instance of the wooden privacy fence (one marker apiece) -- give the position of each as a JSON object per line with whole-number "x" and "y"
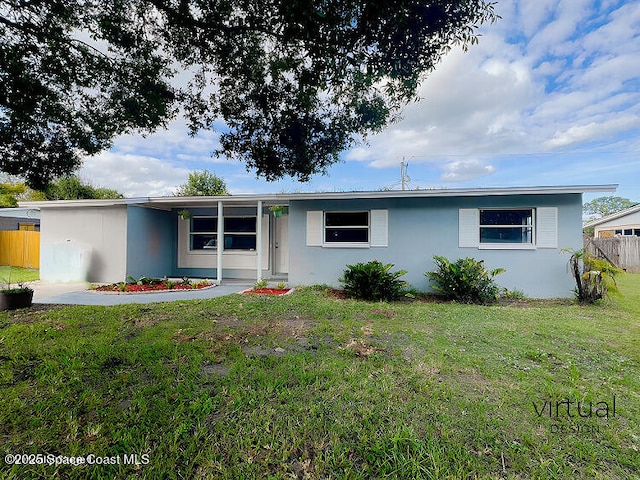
{"x": 623, "y": 252}
{"x": 20, "y": 248}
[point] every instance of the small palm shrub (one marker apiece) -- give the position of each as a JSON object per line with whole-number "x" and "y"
{"x": 465, "y": 281}
{"x": 595, "y": 278}
{"x": 515, "y": 294}
{"x": 373, "y": 281}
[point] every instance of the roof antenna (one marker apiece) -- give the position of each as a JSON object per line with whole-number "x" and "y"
{"x": 404, "y": 178}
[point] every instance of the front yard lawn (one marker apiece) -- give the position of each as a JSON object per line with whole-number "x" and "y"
{"x": 312, "y": 386}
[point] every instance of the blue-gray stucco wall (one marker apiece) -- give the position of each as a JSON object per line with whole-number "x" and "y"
{"x": 419, "y": 228}
{"x": 151, "y": 242}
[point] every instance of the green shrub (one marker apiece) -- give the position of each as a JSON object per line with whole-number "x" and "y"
{"x": 465, "y": 281}
{"x": 373, "y": 281}
{"x": 260, "y": 284}
{"x": 515, "y": 294}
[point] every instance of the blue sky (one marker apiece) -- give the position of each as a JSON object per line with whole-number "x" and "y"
{"x": 550, "y": 96}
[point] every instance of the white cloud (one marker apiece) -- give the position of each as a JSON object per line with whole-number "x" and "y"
{"x": 463, "y": 170}
{"x": 593, "y": 131}
{"x": 472, "y": 104}
{"x": 133, "y": 175}
{"x": 542, "y": 78}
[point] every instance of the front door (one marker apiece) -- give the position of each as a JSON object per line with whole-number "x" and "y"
{"x": 281, "y": 259}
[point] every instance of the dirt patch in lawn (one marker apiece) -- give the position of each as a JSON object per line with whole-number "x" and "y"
{"x": 273, "y": 337}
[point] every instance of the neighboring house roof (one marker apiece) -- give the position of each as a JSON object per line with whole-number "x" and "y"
{"x": 613, "y": 216}
{"x": 20, "y": 212}
{"x": 279, "y": 198}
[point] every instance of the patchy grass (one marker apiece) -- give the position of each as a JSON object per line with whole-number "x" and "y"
{"x": 18, "y": 275}
{"x": 313, "y": 386}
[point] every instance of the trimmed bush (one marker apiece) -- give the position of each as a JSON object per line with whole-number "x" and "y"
{"x": 373, "y": 281}
{"x": 465, "y": 281}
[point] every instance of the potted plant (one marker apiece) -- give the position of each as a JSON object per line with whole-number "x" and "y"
{"x": 20, "y": 296}
{"x": 15, "y": 296}
{"x": 278, "y": 210}
{"x": 184, "y": 214}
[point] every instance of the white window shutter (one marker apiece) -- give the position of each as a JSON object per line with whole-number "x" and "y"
{"x": 468, "y": 228}
{"x": 314, "y": 228}
{"x": 547, "y": 227}
{"x": 379, "y": 228}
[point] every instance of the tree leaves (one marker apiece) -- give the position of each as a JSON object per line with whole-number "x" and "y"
{"x": 202, "y": 183}
{"x": 294, "y": 82}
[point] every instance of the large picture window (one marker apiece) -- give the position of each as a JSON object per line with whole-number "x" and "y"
{"x": 346, "y": 227}
{"x": 239, "y": 233}
{"x": 506, "y": 226}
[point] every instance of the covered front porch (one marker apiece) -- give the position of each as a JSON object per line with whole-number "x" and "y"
{"x": 222, "y": 238}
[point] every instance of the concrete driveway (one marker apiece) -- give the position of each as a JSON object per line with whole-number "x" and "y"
{"x": 80, "y": 294}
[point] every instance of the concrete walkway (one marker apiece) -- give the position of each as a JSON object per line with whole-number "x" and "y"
{"x": 79, "y": 294}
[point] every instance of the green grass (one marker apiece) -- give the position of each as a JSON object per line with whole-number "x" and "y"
{"x": 17, "y": 275}
{"x": 309, "y": 386}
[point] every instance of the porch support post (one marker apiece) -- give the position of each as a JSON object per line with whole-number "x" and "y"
{"x": 219, "y": 243}
{"x": 259, "y": 242}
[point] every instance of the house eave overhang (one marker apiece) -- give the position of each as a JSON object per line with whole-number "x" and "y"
{"x": 168, "y": 203}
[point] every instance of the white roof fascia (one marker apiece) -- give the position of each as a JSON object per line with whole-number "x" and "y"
{"x": 462, "y": 192}
{"x": 107, "y": 202}
{"x": 278, "y": 198}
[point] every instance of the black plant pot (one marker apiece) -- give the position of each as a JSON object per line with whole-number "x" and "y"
{"x": 12, "y": 301}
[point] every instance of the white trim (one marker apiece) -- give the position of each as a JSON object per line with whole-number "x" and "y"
{"x": 379, "y": 228}
{"x": 512, "y": 245}
{"x": 468, "y": 227}
{"x": 259, "y": 216}
{"x": 546, "y": 227}
{"x": 366, "y": 244}
{"x": 507, "y": 246}
{"x": 281, "y": 198}
{"x": 220, "y": 244}
{"x": 314, "y": 230}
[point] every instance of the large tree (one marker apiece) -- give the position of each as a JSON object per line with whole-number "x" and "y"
{"x": 73, "y": 75}
{"x": 603, "y": 206}
{"x": 9, "y": 194}
{"x": 202, "y": 183}
{"x": 289, "y": 83}
{"x": 73, "y": 187}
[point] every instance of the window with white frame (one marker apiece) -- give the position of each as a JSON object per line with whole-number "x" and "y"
{"x": 346, "y": 227}
{"x": 203, "y": 234}
{"x": 350, "y": 229}
{"x": 239, "y": 233}
{"x": 506, "y": 226}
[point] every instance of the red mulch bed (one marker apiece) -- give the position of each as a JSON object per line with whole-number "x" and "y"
{"x": 267, "y": 291}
